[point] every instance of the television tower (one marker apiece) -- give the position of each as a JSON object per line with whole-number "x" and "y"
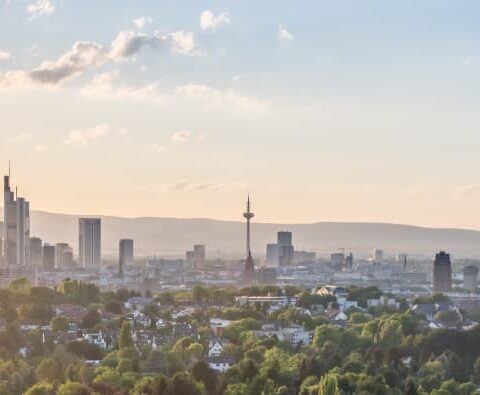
{"x": 249, "y": 264}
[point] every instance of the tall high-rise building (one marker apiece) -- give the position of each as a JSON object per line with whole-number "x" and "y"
{"x": 249, "y": 273}
{"x": 442, "y": 272}
{"x": 273, "y": 255}
{"x": 378, "y": 255}
{"x": 284, "y": 238}
{"x": 338, "y": 258}
{"x": 36, "y": 251}
{"x": 470, "y": 278}
{"x": 285, "y": 248}
{"x": 89, "y": 242}
{"x": 63, "y": 256}
{"x": 16, "y": 226}
{"x": 349, "y": 262}
{"x": 48, "y": 258}
{"x": 125, "y": 254}
{"x": 199, "y": 252}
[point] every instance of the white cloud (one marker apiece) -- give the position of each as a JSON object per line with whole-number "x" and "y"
{"x": 415, "y": 191}
{"x": 105, "y": 86}
{"x": 184, "y": 186}
{"x": 284, "y": 34}
{"x": 128, "y": 43}
{"x": 155, "y": 148}
{"x": 210, "y": 21}
{"x": 4, "y": 55}
{"x": 466, "y": 190}
{"x": 40, "y": 148}
{"x": 39, "y": 8}
{"x": 19, "y": 138}
{"x": 83, "y": 55}
{"x": 182, "y": 42}
{"x": 142, "y": 21}
{"x": 84, "y": 136}
{"x": 86, "y": 55}
{"x": 182, "y": 136}
{"x": 213, "y": 99}
{"x": 345, "y": 189}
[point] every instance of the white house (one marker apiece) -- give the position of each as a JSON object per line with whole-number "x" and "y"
{"x": 215, "y": 347}
{"x": 97, "y": 339}
{"x": 220, "y": 364}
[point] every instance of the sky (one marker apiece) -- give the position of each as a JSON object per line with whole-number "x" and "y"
{"x": 341, "y": 110}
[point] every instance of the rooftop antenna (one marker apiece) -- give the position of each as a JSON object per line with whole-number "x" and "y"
{"x": 9, "y": 168}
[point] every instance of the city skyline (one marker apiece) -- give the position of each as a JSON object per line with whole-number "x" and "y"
{"x": 180, "y": 109}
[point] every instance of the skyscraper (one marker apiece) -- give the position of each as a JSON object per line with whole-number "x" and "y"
{"x": 48, "y": 258}
{"x": 378, "y": 255}
{"x": 285, "y": 248}
{"x": 89, "y": 242}
{"x": 284, "y": 238}
{"x": 442, "y": 272}
{"x": 36, "y": 251}
{"x": 199, "y": 253}
{"x": 16, "y": 226}
{"x": 273, "y": 255}
{"x": 63, "y": 256}
{"x": 125, "y": 254}
{"x": 249, "y": 264}
{"x": 470, "y": 278}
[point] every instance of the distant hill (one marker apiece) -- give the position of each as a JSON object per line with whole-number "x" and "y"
{"x": 171, "y": 236}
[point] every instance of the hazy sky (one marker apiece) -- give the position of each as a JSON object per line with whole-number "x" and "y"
{"x": 324, "y": 110}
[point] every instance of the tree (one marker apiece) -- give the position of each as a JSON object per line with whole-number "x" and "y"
{"x": 236, "y": 389}
{"x": 59, "y": 324}
{"x": 183, "y": 383}
{"x": 476, "y": 372}
{"x": 114, "y": 307}
{"x": 206, "y": 375}
{"x": 200, "y": 294}
{"x": 125, "y": 337}
{"x": 410, "y": 388}
{"x": 124, "y": 365}
{"x": 448, "y": 318}
{"x": 108, "y": 376}
{"x": 41, "y": 389}
{"x": 194, "y": 352}
{"x": 20, "y": 286}
{"x": 91, "y": 319}
{"x": 49, "y": 370}
{"x": 328, "y": 385}
{"x": 165, "y": 298}
{"x": 151, "y": 310}
{"x": 72, "y": 388}
{"x": 84, "y": 349}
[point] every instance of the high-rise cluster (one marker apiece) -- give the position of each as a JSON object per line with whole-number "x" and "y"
{"x": 16, "y": 227}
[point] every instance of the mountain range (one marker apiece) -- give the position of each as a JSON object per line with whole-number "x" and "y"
{"x": 173, "y": 236}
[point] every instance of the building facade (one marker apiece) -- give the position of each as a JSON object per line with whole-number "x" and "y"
{"x": 89, "y": 242}
{"x": 16, "y": 227}
{"x": 36, "y": 251}
{"x": 442, "y": 272}
{"x": 48, "y": 258}
{"x": 470, "y": 278}
{"x": 125, "y": 254}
